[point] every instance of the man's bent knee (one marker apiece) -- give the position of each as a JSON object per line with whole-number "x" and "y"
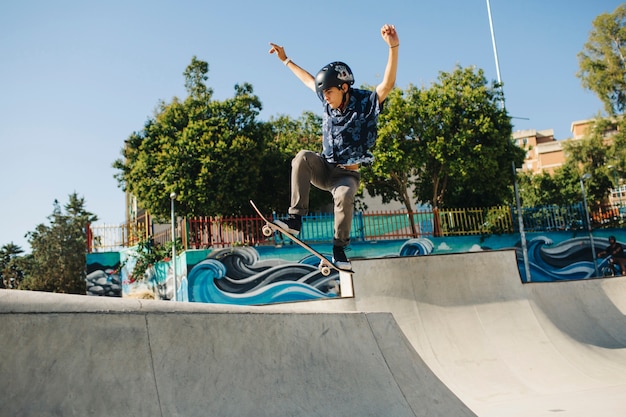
{"x": 301, "y": 156}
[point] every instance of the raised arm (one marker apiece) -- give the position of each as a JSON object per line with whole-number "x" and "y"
{"x": 390, "y": 36}
{"x": 302, "y": 74}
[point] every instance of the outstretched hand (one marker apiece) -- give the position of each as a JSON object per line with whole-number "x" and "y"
{"x": 279, "y": 51}
{"x": 389, "y": 34}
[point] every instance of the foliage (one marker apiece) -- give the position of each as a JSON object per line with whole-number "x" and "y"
{"x": 206, "y": 151}
{"x": 57, "y": 262}
{"x": 195, "y": 76}
{"x": 594, "y": 154}
{"x": 615, "y": 163}
{"x": 12, "y": 266}
{"x": 147, "y": 254}
{"x": 602, "y": 69}
{"x": 560, "y": 188}
{"x": 602, "y": 62}
{"x": 450, "y": 142}
{"x": 589, "y": 156}
{"x": 288, "y": 137}
{"x": 397, "y": 156}
{"x": 468, "y": 141}
{"x": 215, "y": 155}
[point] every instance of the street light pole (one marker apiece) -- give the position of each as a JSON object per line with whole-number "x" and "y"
{"x": 520, "y": 220}
{"x": 173, "y": 197}
{"x": 593, "y": 249}
{"x": 495, "y": 51}
{"x": 493, "y": 42}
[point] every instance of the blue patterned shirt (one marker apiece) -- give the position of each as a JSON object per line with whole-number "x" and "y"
{"x": 348, "y": 135}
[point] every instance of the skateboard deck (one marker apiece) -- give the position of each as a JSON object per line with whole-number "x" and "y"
{"x": 325, "y": 265}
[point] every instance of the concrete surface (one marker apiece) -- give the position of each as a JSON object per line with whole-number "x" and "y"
{"x": 66, "y": 355}
{"x": 464, "y": 337}
{"x": 503, "y": 347}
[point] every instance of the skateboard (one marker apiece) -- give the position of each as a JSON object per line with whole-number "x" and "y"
{"x": 325, "y": 265}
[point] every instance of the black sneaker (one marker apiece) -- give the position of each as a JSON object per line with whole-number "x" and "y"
{"x": 292, "y": 224}
{"x": 340, "y": 259}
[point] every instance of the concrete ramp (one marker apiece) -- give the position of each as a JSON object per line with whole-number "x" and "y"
{"x": 447, "y": 335}
{"x": 83, "y": 356}
{"x": 503, "y": 347}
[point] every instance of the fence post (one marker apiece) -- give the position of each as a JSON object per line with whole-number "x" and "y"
{"x": 89, "y": 237}
{"x": 436, "y": 222}
{"x": 184, "y": 236}
{"x": 361, "y": 226}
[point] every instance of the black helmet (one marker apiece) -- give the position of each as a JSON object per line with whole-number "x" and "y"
{"x": 334, "y": 74}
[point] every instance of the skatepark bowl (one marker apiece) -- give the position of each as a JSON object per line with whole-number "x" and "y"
{"x": 439, "y": 335}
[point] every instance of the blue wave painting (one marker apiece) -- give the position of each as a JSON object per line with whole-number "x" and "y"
{"x": 571, "y": 259}
{"x": 417, "y": 247}
{"x": 238, "y": 276}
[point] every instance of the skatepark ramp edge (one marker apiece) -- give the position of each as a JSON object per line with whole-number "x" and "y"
{"x": 77, "y": 356}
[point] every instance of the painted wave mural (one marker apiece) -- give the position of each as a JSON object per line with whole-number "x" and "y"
{"x": 286, "y": 273}
{"x": 567, "y": 260}
{"x": 238, "y": 276}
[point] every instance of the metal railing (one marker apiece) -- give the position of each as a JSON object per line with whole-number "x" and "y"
{"x": 551, "y": 218}
{"x": 206, "y": 232}
{"x": 475, "y": 221}
{"x": 108, "y": 238}
{"x": 217, "y": 232}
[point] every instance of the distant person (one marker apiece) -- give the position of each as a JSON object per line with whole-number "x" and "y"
{"x": 617, "y": 251}
{"x": 350, "y": 118}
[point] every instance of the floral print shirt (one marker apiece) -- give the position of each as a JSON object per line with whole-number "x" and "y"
{"x": 348, "y": 135}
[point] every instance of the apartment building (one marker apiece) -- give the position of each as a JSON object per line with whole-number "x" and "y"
{"x": 544, "y": 153}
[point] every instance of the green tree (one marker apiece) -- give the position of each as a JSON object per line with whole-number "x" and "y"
{"x": 468, "y": 141}
{"x": 11, "y": 266}
{"x": 544, "y": 189}
{"x": 195, "y": 76}
{"x": 616, "y": 157}
{"x": 398, "y": 159}
{"x": 58, "y": 261}
{"x": 590, "y": 155}
{"x": 536, "y": 189}
{"x": 603, "y": 60}
{"x": 450, "y": 142}
{"x": 206, "y": 151}
{"x": 288, "y": 137}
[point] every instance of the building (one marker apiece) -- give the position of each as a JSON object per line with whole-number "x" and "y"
{"x": 543, "y": 152}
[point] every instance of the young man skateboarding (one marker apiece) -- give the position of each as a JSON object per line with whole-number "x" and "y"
{"x": 349, "y": 128}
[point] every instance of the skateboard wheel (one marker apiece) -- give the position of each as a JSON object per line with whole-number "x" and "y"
{"x": 267, "y": 231}
{"x": 325, "y": 271}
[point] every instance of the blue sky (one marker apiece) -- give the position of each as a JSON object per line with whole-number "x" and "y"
{"x": 78, "y": 77}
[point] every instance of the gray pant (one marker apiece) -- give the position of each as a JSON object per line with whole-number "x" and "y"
{"x": 310, "y": 168}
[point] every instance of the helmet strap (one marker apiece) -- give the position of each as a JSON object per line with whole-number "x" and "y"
{"x": 344, "y": 99}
